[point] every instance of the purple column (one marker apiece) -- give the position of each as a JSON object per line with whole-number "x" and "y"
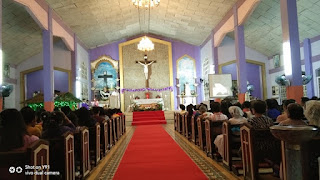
{"x": 240, "y": 54}
{"x": 47, "y": 40}
{"x": 308, "y": 65}
{"x": 74, "y": 57}
{"x": 89, "y": 80}
{"x": 291, "y": 44}
{"x": 215, "y": 56}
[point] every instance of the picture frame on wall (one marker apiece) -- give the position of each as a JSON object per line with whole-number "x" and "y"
{"x": 275, "y": 90}
{"x": 276, "y": 61}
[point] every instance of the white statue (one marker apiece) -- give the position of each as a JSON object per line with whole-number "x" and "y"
{"x": 145, "y": 65}
{"x": 104, "y": 94}
{"x": 187, "y": 90}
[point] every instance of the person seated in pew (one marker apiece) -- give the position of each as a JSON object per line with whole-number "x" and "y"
{"x": 204, "y": 112}
{"x": 114, "y": 114}
{"x": 295, "y": 115}
{"x": 285, "y": 104}
{"x": 225, "y": 104}
{"x": 71, "y": 115}
{"x": 196, "y": 112}
{"x": 246, "y": 108}
{"x": 272, "y": 111}
{"x": 237, "y": 119}
{"x": 259, "y": 121}
{"x": 237, "y": 115}
{"x": 96, "y": 114}
{"x": 190, "y": 110}
{"x": 29, "y": 117}
{"x": 13, "y": 134}
{"x": 183, "y": 109}
{"x": 216, "y": 110}
{"x": 84, "y": 118}
{"x": 119, "y": 112}
{"x": 58, "y": 125}
{"x": 312, "y": 112}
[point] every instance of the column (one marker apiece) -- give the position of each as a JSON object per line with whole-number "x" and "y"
{"x": 1, "y": 59}
{"x": 240, "y": 57}
{"x": 74, "y": 68}
{"x": 308, "y": 65}
{"x": 291, "y": 48}
{"x": 215, "y": 56}
{"x": 47, "y": 40}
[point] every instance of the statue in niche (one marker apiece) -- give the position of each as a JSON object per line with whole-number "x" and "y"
{"x": 187, "y": 90}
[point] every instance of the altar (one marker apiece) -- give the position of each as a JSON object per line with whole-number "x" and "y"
{"x": 148, "y": 104}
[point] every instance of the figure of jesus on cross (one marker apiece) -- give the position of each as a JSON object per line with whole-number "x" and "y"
{"x": 146, "y": 65}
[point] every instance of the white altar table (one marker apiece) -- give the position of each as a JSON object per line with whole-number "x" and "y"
{"x": 149, "y": 101}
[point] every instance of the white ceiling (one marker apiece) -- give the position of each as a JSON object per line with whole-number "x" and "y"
{"x": 99, "y": 22}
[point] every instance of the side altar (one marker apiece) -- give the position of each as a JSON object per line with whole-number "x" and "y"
{"x": 105, "y": 82}
{"x": 148, "y": 104}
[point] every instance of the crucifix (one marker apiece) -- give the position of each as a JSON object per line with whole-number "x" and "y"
{"x": 146, "y": 65}
{"x": 105, "y": 77}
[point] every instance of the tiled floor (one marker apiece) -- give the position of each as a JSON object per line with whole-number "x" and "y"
{"x": 107, "y": 168}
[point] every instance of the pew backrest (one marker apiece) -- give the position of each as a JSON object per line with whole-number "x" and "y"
{"x": 37, "y": 154}
{"x": 193, "y": 130}
{"x": 69, "y": 156}
{"x": 257, "y": 145}
{"x": 85, "y": 152}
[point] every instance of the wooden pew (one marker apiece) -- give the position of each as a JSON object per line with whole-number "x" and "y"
{"x": 182, "y": 120}
{"x": 256, "y": 146}
{"x": 111, "y": 139}
{"x": 118, "y": 119}
{"x": 212, "y": 130}
{"x": 82, "y": 156}
{"x": 37, "y": 154}
{"x": 104, "y": 142}
{"x": 124, "y": 123}
{"x": 201, "y": 133}
{"x": 194, "y": 130}
{"x": 94, "y": 146}
{"x": 311, "y": 154}
{"x": 62, "y": 156}
{"x": 179, "y": 123}
{"x": 175, "y": 120}
{"x": 114, "y": 130}
{"x": 231, "y": 144}
{"x": 120, "y": 126}
{"x": 186, "y": 125}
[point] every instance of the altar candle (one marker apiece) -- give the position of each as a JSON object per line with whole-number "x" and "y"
{"x": 161, "y": 95}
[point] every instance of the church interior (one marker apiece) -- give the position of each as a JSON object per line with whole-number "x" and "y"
{"x": 150, "y": 89}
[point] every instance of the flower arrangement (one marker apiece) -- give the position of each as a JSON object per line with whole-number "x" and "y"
{"x": 147, "y": 107}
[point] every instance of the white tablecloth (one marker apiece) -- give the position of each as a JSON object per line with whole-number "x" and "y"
{"x": 149, "y": 101}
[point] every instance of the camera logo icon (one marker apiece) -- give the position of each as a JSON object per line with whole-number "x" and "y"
{"x": 12, "y": 170}
{"x": 19, "y": 170}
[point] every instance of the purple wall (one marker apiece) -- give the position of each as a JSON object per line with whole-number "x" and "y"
{"x": 254, "y": 80}
{"x": 111, "y": 50}
{"x": 179, "y": 49}
{"x": 230, "y": 69}
{"x": 34, "y": 82}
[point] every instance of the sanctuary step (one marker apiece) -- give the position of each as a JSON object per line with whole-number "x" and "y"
{"x": 148, "y": 117}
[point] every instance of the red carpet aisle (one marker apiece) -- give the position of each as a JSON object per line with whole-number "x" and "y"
{"x": 148, "y": 117}
{"x": 153, "y": 154}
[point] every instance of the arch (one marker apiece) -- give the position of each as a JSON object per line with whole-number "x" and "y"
{"x": 263, "y": 73}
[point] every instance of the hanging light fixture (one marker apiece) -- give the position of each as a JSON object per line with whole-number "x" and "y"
{"x": 146, "y": 44}
{"x": 146, "y": 3}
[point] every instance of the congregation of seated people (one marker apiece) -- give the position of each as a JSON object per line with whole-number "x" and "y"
{"x": 257, "y": 114}
{"x": 20, "y": 128}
